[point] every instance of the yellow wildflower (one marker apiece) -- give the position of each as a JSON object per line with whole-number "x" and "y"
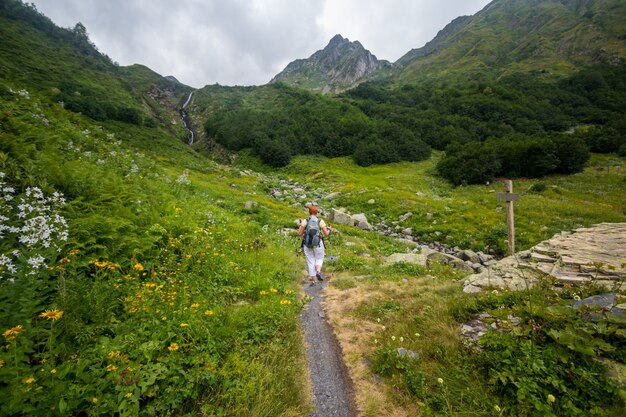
{"x": 128, "y": 394}
{"x": 64, "y": 260}
{"x": 440, "y": 381}
{"x": 184, "y": 325}
{"x": 138, "y": 267}
{"x": 111, "y": 368}
{"x": 263, "y": 292}
{"x": 195, "y": 305}
{"x": 208, "y": 312}
{"x": 94, "y": 401}
{"x": 551, "y": 398}
{"x": 53, "y": 371}
{"x": 51, "y": 315}
{"x": 1, "y": 363}
{"x": 29, "y": 380}
{"x": 273, "y": 290}
{"x": 285, "y": 302}
{"x": 73, "y": 252}
{"x": 13, "y": 332}
{"x": 173, "y": 347}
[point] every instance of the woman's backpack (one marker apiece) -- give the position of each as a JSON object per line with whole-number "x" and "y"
{"x": 312, "y": 233}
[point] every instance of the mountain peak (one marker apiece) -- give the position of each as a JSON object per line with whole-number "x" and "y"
{"x": 339, "y": 66}
{"x": 336, "y": 41}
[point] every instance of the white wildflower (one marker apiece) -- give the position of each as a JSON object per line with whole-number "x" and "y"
{"x": 36, "y": 261}
{"x": 100, "y": 162}
{"x": 6, "y": 263}
{"x": 183, "y": 179}
{"x": 88, "y": 154}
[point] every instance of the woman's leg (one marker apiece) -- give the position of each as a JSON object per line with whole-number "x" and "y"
{"x": 319, "y": 261}
{"x": 310, "y": 263}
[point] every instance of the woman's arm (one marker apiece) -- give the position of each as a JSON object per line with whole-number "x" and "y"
{"x": 301, "y": 230}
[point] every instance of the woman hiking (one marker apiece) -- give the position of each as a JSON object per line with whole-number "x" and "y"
{"x": 311, "y": 231}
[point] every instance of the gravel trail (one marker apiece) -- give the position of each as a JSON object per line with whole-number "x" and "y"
{"x": 332, "y": 387}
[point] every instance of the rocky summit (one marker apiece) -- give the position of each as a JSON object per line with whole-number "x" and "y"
{"x": 339, "y": 66}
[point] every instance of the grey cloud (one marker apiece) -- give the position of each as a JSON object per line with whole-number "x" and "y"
{"x": 244, "y": 42}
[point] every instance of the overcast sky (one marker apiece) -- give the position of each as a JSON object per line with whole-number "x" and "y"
{"x": 239, "y": 42}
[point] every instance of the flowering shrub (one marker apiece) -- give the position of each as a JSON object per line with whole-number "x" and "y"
{"x": 31, "y": 229}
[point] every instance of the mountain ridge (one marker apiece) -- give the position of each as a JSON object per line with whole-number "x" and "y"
{"x": 338, "y": 66}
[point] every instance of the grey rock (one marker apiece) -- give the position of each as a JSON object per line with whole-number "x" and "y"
{"x": 484, "y": 258}
{"x": 420, "y": 194}
{"x": 408, "y": 231}
{"x": 359, "y": 218}
{"x": 251, "y": 205}
{"x": 364, "y": 226}
{"x": 409, "y": 258}
{"x": 371, "y": 201}
{"x": 449, "y": 260}
{"x": 469, "y": 255}
{"x": 340, "y": 217}
{"x": 405, "y": 217}
{"x": 470, "y": 289}
{"x": 332, "y": 196}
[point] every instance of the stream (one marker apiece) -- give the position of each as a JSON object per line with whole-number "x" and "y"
{"x": 185, "y": 119}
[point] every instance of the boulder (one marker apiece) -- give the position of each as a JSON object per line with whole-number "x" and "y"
{"x": 359, "y": 218}
{"x": 407, "y": 232}
{"x": 251, "y": 205}
{"x": 371, "y": 201}
{"x": 484, "y": 258}
{"x": 469, "y": 255}
{"x": 364, "y": 225}
{"x": 405, "y": 217}
{"x": 446, "y": 259}
{"x": 409, "y": 258}
{"x": 332, "y": 196}
{"x": 340, "y": 217}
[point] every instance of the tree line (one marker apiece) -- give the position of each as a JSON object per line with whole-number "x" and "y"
{"x": 522, "y": 125}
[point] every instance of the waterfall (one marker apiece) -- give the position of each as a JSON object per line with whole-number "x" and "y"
{"x": 184, "y": 117}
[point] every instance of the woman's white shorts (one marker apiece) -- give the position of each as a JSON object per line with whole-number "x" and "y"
{"x": 314, "y": 257}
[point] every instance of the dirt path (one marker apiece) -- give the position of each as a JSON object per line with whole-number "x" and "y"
{"x": 332, "y": 388}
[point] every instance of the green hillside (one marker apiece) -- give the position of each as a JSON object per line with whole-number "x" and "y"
{"x": 508, "y": 36}
{"x": 140, "y": 277}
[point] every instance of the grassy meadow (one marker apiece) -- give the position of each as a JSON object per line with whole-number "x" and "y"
{"x": 159, "y": 293}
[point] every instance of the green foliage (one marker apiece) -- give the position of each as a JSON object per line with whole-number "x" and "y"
{"x": 514, "y": 157}
{"x": 159, "y": 300}
{"x": 277, "y": 122}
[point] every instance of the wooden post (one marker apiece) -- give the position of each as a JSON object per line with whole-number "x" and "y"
{"x": 510, "y": 218}
{"x": 509, "y": 197}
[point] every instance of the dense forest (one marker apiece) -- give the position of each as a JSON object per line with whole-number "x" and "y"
{"x": 522, "y": 125}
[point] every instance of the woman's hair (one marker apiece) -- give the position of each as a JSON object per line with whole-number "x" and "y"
{"x": 313, "y": 210}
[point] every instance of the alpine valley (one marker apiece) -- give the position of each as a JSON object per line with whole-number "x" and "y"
{"x": 149, "y": 263}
